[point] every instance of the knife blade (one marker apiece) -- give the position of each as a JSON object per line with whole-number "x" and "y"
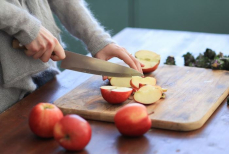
{"x": 82, "y": 63}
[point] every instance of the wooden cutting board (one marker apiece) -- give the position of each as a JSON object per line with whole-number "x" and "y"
{"x": 193, "y": 95}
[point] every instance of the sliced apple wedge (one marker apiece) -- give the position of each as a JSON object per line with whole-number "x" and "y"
{"x": 120, "y": 81}
{"x": 147, "y": 94}
{"x": 136, "y": 81}
{"x": 114, "y": 94}
{"x": 150, "y": 59}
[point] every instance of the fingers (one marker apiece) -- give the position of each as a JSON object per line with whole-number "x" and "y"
{"x": 43, "y": 47}
{"x": 135, "y": 61}
{"x": 47, "y": 54}
{"x": 129, "y": 61}
{"x": 114, "y": 50}
{"x": 105, "y": 77}
{"x": 59, "y": 53}
{"x": 32, "y": 50}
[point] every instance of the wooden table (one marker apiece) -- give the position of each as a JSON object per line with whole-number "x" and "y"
{"x": 16, "y": 137}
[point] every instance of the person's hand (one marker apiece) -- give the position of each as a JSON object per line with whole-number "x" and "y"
{"x": 43, "y": 47}
{"x": 114, "y": 50}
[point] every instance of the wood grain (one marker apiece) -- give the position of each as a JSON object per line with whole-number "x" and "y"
{"x": 193, "y": 95}
{"x": 211, "y": 138}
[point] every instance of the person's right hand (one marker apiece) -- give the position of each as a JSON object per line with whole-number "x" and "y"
{"x": 43, "y": 47}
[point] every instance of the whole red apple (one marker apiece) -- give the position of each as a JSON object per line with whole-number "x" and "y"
{"x": 72, "y": 132}
{"x": 132, "y": 120}
{"x": 43, "y": 118}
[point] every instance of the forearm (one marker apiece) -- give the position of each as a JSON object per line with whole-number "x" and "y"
{"x": 80, "y": 22}
{"x": 18, "y": 22}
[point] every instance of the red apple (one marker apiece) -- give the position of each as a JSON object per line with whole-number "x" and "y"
{"x": 120, "y": 81}
{"x": 72, "y": 132}
{"x": 132, "y": 120}
{"x": 150, "y": 59}
{"x": 136, "y": 81}
{"x": 115, "y": 95}
{"x": 148, "y": 94}
{"x": 43, "y": 118}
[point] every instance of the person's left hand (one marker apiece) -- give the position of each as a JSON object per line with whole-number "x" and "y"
{"x": 114, "y": 50}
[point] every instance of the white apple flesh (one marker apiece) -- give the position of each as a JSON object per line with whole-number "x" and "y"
{"x": 147, "y": 94}
{"x": 136, "y": 81}
{"x": 120, "y": 81}
{"x": 150, "y": 59}
{"x": 114, "y": 94}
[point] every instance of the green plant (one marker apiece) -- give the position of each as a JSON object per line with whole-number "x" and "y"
{"x": 189, "y": 59}
{"x": 170, "y": 60}
{"x": 208, "y": 59}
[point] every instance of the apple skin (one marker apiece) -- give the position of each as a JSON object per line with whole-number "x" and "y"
{"x": 42, "y": 119}
{"x": 72, "y": 132}
{"x": 146, "y": 56}
{"x": 149, "y": 70}
{"x": 135, "y": 88}
{"x": 132, "y": 120}
{"x": 115, "y": 97}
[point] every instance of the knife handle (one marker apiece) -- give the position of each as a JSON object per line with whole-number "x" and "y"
{"x": 17, "y": 45}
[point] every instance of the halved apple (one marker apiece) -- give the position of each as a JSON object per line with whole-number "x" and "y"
{"x": 150, "y": 59}
{"x": 120, "y": 81}
{"x": 147, "y": 94}
{"x": 114, "y": 94}
{"x": 136, "y": 81}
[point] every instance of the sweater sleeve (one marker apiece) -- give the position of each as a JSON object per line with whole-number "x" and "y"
{"x": 18, "y": 23}
{"x": 79, "y": 21}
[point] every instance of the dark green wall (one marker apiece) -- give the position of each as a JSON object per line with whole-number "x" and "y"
{"x": 187, "y": 15}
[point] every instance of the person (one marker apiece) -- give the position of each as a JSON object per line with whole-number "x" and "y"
{"x": 31, "y": 22}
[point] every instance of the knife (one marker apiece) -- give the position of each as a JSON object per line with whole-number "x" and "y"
{"x": 82, "y": 63}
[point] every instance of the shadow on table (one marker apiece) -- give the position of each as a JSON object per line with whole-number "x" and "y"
{"x": 131, "y": 144}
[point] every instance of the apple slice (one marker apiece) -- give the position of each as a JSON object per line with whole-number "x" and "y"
{"x": 150, "y": 59}
{"x": 147, "y": 94}
{"x": 136, "y": 81}
{"x": 114, "y": 94}
{"x": 120, "y": 81}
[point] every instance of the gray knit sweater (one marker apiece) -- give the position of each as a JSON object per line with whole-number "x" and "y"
{"x": 21, "y": 19}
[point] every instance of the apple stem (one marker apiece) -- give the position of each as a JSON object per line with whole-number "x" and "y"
{"x": 152, "y": 112}
{"x": 48, "y": 107}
